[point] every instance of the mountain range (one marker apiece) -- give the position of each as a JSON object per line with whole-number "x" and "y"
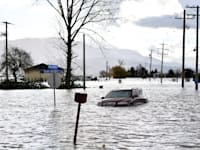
{"x": 50, "y": 51}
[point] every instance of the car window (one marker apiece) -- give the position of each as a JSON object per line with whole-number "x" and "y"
{"x": 121, "y": 93}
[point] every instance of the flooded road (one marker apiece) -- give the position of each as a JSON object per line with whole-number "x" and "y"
{"x": 171, "y": 119}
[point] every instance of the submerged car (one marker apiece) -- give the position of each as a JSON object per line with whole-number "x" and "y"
{"x": 125, "y": 97}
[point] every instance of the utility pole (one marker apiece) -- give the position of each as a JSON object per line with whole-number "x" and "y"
{"x": 84, "y": 61}
{"x": 106, "y": 70}
{"x": 150, "y": 65}
{"x": 197, "y": 49}
{"x": 183, "y": 46}
{"x": 162, "y": 57}
{"x": 6, "y": 48}
{"x": 197, "y": 43}
{"x": 183, "y": 56}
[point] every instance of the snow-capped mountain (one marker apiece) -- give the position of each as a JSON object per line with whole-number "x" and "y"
{"x": 50, "y": 51}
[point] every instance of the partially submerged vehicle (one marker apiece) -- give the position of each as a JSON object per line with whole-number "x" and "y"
{"x": 124, "y": 97}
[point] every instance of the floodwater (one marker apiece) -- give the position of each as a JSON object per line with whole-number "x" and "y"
{"x": 169, "y": 121}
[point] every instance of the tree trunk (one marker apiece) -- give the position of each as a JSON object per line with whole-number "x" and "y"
{"x": 15, "y": 76}
{"x": 68, "y": 73}
{"x": 69, "y": 60}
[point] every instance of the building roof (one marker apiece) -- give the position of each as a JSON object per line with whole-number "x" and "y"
{"x": 40, "y": 67}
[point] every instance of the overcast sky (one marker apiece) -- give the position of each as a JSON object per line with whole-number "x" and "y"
{"x": 146, "y": 24}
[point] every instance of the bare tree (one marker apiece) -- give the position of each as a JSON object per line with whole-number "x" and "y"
{"x": 17, "y": 59}
{"x": 75, "y": 17}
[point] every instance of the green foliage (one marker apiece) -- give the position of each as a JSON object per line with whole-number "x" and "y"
{"x": 140, "y": 71}
{"x": 131, "y": 72}
{"x": 118, "y": 72}
{"x": 171, "y": 73}
{"x": 189, "y": 73}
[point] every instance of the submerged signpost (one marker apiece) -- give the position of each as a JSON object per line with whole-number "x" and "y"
{"x": 54, "y": 79}
{"x": 80, "y": 97}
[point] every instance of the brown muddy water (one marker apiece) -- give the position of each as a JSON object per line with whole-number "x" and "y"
{"x": 169, "y": 121}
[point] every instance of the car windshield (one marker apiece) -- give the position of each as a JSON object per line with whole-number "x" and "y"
{"x": 118, "y": 94}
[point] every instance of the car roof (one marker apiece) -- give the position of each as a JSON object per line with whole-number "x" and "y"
{"x": 126, "y": 89}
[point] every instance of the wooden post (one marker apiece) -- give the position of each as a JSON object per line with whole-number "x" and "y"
{"x": 77, "y": 121}
{"x": 150, "y": 64}
{"x": 183, "y": 59}
{"x": 161, "y": 75}
{"x": 197, "y": 49}
{"x": 54, "y": 88}
{"x": 79, "y": 98}
{"x": 84, "y": 61}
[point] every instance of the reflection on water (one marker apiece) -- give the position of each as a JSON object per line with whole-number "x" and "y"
{"x": 169, "y": 121}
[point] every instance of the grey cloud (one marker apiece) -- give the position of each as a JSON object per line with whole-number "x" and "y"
{"x": 169, "y": 21}
{"x": 159, "y": 22}
{"x": 184, "y": 3}
{"x": 166, "y": 21}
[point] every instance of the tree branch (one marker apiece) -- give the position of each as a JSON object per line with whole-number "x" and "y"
{"x": 51, "y": 4}
{"x": 84, "y": 19}
{"x": 77, "y": 13}
{"x": 62, "y": 13}
{"x": 62, "y": 38}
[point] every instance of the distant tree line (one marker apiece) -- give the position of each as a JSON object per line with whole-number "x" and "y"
{"x": 141, "y": 72}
